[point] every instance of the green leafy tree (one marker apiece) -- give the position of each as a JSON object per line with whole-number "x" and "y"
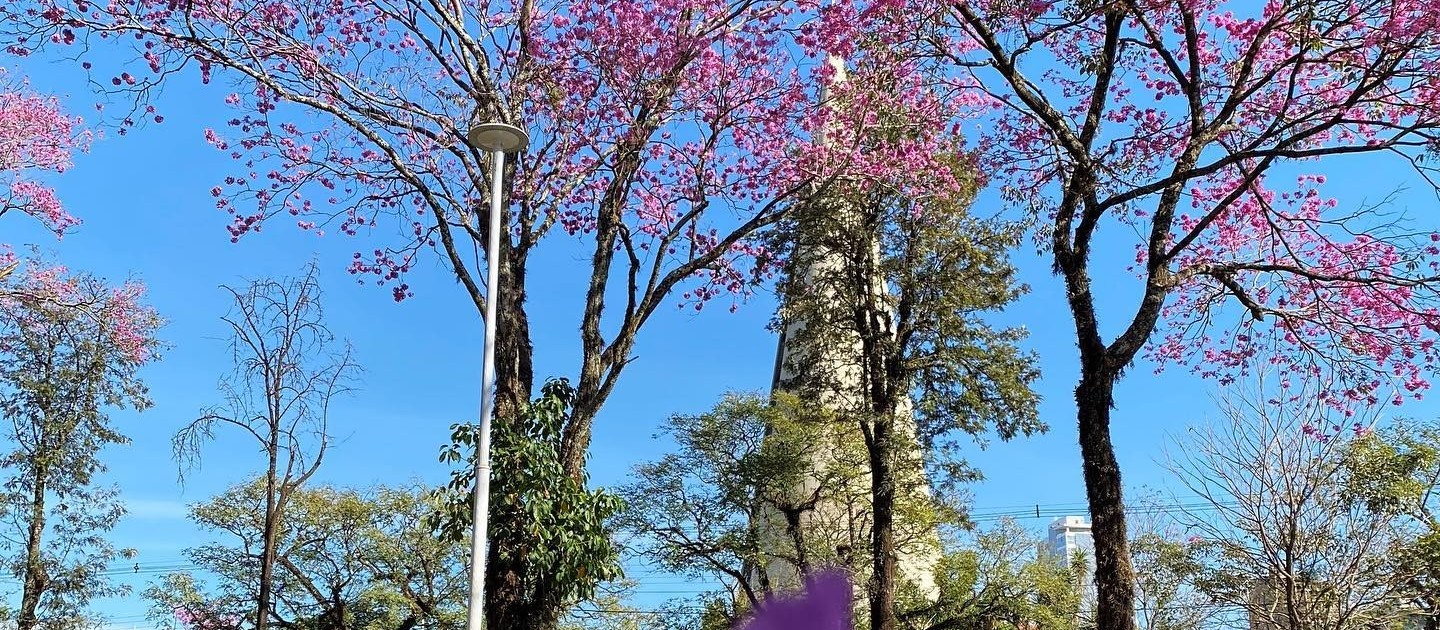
{"x": 704, "y": 510}
{"x": 345, "y": 560}
{"x": 565, "y": 552}
{"x": 71, "y": 348}
{"x": 723, "y": 508}
{"x": 885, "y": 303}
{"x": 1167, "y": 569}
{"x": 1165, "y": 593}
{"x": 1396, "y": 472}
{"x": 1001, "y": 581}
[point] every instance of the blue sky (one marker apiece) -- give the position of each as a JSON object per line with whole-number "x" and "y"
{"x": 148, "y": 214}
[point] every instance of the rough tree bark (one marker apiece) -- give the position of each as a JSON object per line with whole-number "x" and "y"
{"x": 1103, "y": 490}
{"x": 36, "y": 580}
{"x": 882, "y": 445}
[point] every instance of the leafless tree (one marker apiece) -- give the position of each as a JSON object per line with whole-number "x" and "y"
{"x": 287, "y": 371}
{"x": 1275, "y": 539}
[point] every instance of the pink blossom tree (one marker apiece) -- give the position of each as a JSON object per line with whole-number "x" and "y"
{"x": 669, "y": 133}
{"x": 35, "y": 137}
{"x": 1202, "y": 126}
{"x": 71, "y": 347}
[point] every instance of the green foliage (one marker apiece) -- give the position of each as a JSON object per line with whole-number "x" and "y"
{"x": 703, "y": 511}
{"x": 917, "y": 298}
{"x": 345, "y": 559}
{"x": 738, "y": 470}
{"x": 563, "y": 546}
{"x": 1395, "y": 472}
{"x": 885, "y": 301}
{"x": 884, "y": 317}
{"x": 1001, "y": 581}
{"x": 1165, "y": 575}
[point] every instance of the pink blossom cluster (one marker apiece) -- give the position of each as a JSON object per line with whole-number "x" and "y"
{"x": 660, "y": 126}
{"x": 689, "y": 118}
{"x": 1318, "y": 291}
{"x": 192, "y": 618}
{"x": 35, "y": 137}
{"x": 738, "y": 129}
{"x": 43, "y": 296}
{"x": 1319, "y": 433}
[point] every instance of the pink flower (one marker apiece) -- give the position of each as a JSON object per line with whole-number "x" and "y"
{"x": 35, "y": 137}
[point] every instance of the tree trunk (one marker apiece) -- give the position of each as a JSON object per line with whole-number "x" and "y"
{"x": 513, "y": 600}
{"x": 267, "y": 537}
{"x": 599, "y": 362}
{"x": 882, "y": 529}
{"x": 338, "y": 620}
{"x": 507, "y": 604}
{"x": 514, "y": 352}
{"x": 795, "y": 530}
{"x": 503, "y": 587}
{"x": 547, "y": 608}
{"x": 1114, "y": 577}
{"x": 35, "y": 579}
{"x": 518, "y": 603}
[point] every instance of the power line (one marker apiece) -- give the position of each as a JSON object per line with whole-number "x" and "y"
{"x": 1069, "y": 509}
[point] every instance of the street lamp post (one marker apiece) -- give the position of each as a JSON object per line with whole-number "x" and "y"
{"x": 498, "y": 139}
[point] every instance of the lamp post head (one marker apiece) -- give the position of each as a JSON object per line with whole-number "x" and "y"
{"x": 499, "y": 137}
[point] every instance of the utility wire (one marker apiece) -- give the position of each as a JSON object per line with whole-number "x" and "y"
{"x": 1070, "y": 509}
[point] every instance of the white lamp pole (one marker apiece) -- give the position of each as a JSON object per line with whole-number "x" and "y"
{"x": 498, "y": 139}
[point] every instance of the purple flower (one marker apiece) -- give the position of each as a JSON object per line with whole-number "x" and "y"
{"x": 825, "y": 605}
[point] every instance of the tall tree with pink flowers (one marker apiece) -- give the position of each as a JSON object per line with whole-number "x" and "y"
{"x": 669, "y": 134}
{"x": 1203, "y": 128}
{"x": 71, "y": 347}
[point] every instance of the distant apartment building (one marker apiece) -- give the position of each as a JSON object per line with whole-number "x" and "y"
{"x": 1070, "y": 540}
